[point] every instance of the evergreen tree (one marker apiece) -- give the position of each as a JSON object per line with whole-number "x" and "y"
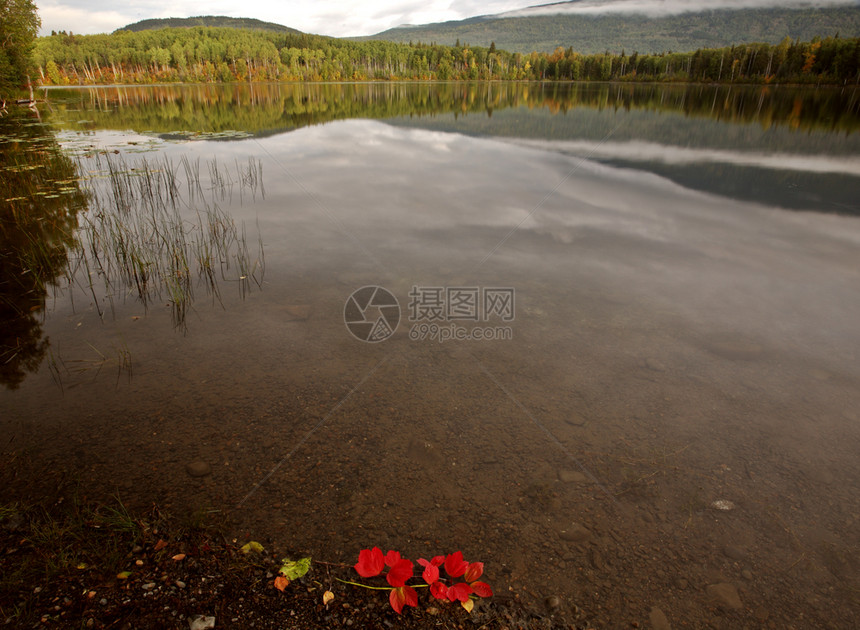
{"x": 19, "y": 24}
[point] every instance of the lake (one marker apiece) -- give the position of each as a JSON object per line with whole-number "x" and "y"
{"x": 602, "y": 337}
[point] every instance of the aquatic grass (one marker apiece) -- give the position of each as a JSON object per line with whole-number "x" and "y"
{"x": 138, "y": 236}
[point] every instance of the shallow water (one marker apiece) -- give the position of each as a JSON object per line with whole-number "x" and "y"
{"x": 685, "y": 266}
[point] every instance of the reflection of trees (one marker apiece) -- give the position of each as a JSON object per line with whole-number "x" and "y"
{"x": 39, "y": 202}
{"x": 271, "y": 108}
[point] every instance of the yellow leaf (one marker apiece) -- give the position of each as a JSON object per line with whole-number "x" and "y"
{"x": 82, "y": 566}
{"x": 179, "y": 556}
{"x": 469, "y": 604}
{"x": 124, "y": 575}
{"x": 281, "y": 582}
{"x": 327, "y": 597}
{"x": 252, "y": 546}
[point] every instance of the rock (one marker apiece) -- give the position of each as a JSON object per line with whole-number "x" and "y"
{"x": 658, "y": 619}
{"x": 655, "y": 365}
{"x": 180, "y": 584}
{"x": 571, "y": 476}
{"x": 725, "y": 594}
{"x": 574, "y": 533}
{"x": 198, "y": 469}
{"x": 149, "y": 586}
{"x": 597, "y": 560}
{"x": 575, "y": 420}
{"x": 297, "y": 312}
{"x": 552, "y": 602}
{"x": 201, "y": 622}
{"x": 723, "y": 504}
{"x": 734, "y": 553}
{"x": 747, "y": 574}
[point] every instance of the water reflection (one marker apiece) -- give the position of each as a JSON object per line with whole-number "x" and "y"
{"x": 39, "y": 208}
{"x": 264, "y": 109}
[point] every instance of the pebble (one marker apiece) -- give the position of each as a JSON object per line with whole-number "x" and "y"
{"x": 574, "y": 533}
{"x": 575, "y": 421}
{"x": 747, "y": 574}
{"x": 552, "y": 602}
{"x": 725, "y": 594}
{"x": 658, "y": 619}
{"x": 149, "y": 586}
{"x": 734, "y": 553}
{"x": 681, "y": 583}
{"x": 198, "y": 469}
{"x": 761, "y": 613}
{"x": 723, "y": 504}
{"x": 571, "y": 476}
{"x": 202, "y": 623}
{"x": 180, "y": 583}
{"x": 103, "y": 601}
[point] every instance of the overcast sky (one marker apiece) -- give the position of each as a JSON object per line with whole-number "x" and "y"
{"x": 344, "y": 17}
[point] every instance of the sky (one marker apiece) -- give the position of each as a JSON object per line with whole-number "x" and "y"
{"x": 351, "y": 17}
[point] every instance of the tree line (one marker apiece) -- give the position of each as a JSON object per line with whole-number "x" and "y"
{"x": 208, "y": 54}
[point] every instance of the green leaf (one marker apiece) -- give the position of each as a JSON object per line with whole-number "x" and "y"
{"x": 252, "y": 546}
{"x": 294, "y": 569}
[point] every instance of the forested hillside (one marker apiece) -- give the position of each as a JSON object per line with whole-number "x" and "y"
{"x": 616, "y": 32}
{"x": 207, "y": 20}
{"x": 202, "y": 54}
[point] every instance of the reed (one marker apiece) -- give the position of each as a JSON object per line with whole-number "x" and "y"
{"x": 143, "y": 238}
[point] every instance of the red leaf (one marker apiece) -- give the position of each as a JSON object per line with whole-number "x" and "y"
{"x": 281, "y": 582}
{"x": 439, "y": 590}
{"x": 431, "y": 572}
{"x": 403, "y": 595}
{"x": 437, "y": 561}
{"x": 481, "y": 589}
{"x": 392, "y": 557}
{"x": 397, "y": 599}
{"x": 460, "y": 591}
{"x": 455, "y": 566}
{"x": 411, "y": 596}
{"x": 473, "y": 571}
{"x": 370, "y": 562}
{"x": 399, "y": 572}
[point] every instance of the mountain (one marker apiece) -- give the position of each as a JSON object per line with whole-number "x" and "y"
{"x": 208, "y": 20}
{"x": 536, "y": 28}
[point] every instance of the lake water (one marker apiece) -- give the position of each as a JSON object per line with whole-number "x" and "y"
{"x": 665, "y": 394}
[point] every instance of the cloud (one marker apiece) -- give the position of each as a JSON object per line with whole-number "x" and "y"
{"x": 660, "y": 8}
{"x": 638, "y": 151}
{"x": 338, "y": 18}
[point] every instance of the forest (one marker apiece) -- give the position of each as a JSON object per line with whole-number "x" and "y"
{"x": 209, "y": 54}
